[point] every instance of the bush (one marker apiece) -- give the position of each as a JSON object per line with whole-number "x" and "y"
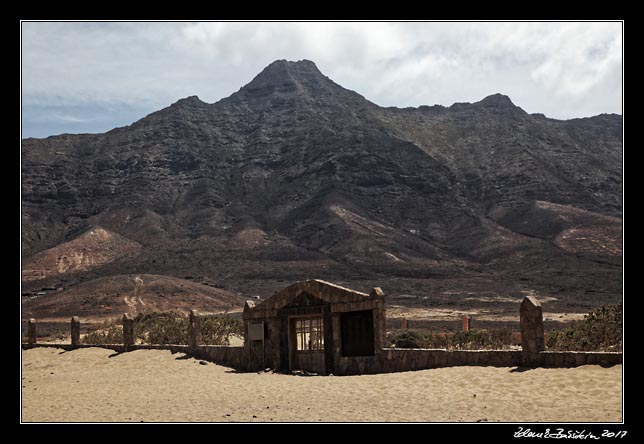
{"x": 112, "y": 335}
{"x": 600, "y": 330}
{"x": 470, "y": 340}
{"x": 482, "y": 339}
{"x": 409, "y": 339}
{"x": 169, "y": 328}
{"x": 215, "y": 329}
{"x": 161, "y": 328}
{"x": 437, "y": 340}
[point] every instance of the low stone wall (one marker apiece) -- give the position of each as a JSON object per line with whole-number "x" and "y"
{"x": 410, "y": 359}
{"x": 221, "y": 354}
{"x": 577, "y": 358}
{"x": 397, "y": 359}
{"x": 390, "y": 360}
{"x": 228, "y": 356}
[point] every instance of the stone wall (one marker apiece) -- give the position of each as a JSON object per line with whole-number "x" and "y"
{"x": 577, "y": 358}
{"x": 409, "y": 359}
{"x": 389, "y": 361}
{"x": 225, "y": 355}
{"x": 266, "y": 353}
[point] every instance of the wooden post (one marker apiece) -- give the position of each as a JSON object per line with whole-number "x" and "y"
{"x": 532, "y": 341}
{"x": 466, "y": 323}
{"x": 128, "y": 331}
{"x": 75, "y": 331}
{"x": 31, "y": 331}
{"x": 194, "y": 330}
{"x": 403, "y": 324}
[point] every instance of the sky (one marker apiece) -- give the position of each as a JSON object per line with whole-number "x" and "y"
{"x": 80, "y": 77}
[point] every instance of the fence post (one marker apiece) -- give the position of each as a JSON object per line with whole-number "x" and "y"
{"x": 466, "y": 323}
{"x": 31, "y": 331}
{"x": 532, "y": 341}
{"x": 194, "y": 330}
{"x": 75, "y": 331}
{"x": 403, "y": 323}
{"x": 128, "y": 331}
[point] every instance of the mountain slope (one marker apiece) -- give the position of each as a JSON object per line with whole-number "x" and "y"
{"x": 92, "y": 249}
{"x": 112, "y": 296}
{"x": 295, "y": 177}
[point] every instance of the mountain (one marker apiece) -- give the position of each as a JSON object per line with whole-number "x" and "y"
{"x": 92, "y": 249}
{"x": 294, "y": 177}
{"x": 110, "y": 297}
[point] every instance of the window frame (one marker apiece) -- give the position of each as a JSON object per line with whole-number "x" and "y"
{"x": 308, "y": 334}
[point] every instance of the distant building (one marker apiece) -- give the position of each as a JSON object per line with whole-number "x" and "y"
{"x": 317, "y": 327}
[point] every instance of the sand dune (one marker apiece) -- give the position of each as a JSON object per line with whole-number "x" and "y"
{"x": 155, "y": 385}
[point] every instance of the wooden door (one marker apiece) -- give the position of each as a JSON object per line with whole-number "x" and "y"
{"x": 307, "y": 344}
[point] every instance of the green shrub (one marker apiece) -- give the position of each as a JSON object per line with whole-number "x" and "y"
{"x": 600, "y": 330}
{"x": 161, "y": 328}
{"x": 408, "y": 339}
{"x": 437, "y": 340}
{"x": 482, "y": 339}
{"x": 471, "y": 340}
{"x": 112, "y": 335}
{"x": 169, "y": 328}
{"x": 215, "y": 329}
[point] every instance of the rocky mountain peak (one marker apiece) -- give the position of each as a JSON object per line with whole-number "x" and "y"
{"x": 283, "y": 77}
{"x": 281, "y": 71}
{"x": 497, "y": 101}
{"x": 190, "y": 101}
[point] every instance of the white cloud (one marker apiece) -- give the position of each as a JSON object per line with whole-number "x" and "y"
{"x": 563, "y": 70}
{"x": 69, "y": 118}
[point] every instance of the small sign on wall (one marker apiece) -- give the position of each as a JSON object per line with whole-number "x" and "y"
{"x": 256, "y": 331}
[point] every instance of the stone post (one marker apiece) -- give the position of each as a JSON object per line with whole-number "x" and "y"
{"x": 403, "y": 324}
{"x": 466, "y": 323}
{"x": 31, "y": 331}
{"x": 532, "y": 341}
{"x": 194, "y": 330}
{"x": 379, "y": 320}
{"x": 75, "y": 331}
{"x": 128, "y": 331}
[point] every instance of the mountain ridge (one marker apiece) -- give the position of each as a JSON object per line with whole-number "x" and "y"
{"x": 294, "y": 176}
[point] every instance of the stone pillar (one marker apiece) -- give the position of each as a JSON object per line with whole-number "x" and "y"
{"x": 31, "y": 331}
{"x": 194, "y": 330}
{"x": 403, "y": 323}
{"x": 337, "y": 341}
{"x": 532, "y": 341}
{"x": 128, "y": 331}
{"x": 75, "y": 331}
{"x": 466, "y": 323}
{"x": 379, "y": 324}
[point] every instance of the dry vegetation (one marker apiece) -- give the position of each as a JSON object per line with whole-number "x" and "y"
{"x": 169, "y": 328}
{"x": 599, "y": 330}
{"x": 495, "y": 339}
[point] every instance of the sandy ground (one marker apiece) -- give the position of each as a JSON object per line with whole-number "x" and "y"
{"x": 155, "y": 385}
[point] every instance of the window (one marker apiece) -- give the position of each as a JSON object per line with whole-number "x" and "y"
{"x": 309, "y": 334}
{"x": 357, "y": 333}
